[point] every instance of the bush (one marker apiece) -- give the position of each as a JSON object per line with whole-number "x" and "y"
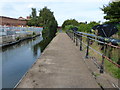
{"x": 18, "y": 38}
{"x": 34, "y": 33}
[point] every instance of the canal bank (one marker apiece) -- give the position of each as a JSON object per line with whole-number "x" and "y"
{"x": 60, "y": 66}
{"x": 17, "y": 59}
{"x": 12, "y": 39}
{"x": 10, "y": 35}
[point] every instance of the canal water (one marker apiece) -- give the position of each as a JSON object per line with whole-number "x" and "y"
{"x": 17, "y": 59}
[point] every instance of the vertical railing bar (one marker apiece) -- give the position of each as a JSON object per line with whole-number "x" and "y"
{"x": 88, "y": 42}
{"x": 102, "y": 65}
{"x": 76, "y": 40}
{"x": 74, "y": 36}
{"x": 81, "y": 42}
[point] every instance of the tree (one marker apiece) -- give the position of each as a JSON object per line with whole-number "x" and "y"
{"x": 70, "y": 22}
{"x": 112, "y": 11}
{"x": 33, "y": 15}
{"x": 83, "y": 27}
{"x": 69, "y": 27}
{"x": 33, "y": 18}
{"x": 49, "y": 23}
{"x": 47, "y": 20}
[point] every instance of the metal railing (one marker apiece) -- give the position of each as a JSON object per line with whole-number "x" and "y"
{"x": 107, "y": 44}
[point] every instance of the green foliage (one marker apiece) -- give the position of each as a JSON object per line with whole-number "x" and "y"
{"x": 29, "y": 35}
{"x": 33, "y": 18}
{"x": 112, "y": 69}
{"x": 32, "y": 22}
{"x": 70, "y": 22}
{"x": 18, "y": 38}
{"x": 46, "y": 20}
{"x": 118, "y": 33}
{"x": 118, "y": 26}
{"x": 68, "y": 27}
{"x": 83, "y": 27}
{"x": 113, "y": 54}
{"x": 49, "y": 23}
{"x": 112, "y": 11}
{"x": 87, "y": 27}
{"x": 34, "y": 33}
{"x": 33, "y": 15}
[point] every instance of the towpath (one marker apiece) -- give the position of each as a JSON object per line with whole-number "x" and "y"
{"x": 60, "y": 66}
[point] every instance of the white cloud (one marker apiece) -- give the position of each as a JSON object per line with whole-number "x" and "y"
{"x": 82, "y": 10}
{"x": 55, "y": 1}
{"x": 30, "y": 5}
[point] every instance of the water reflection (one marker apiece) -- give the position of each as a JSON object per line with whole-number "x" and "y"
{"x": 17, "y": 59}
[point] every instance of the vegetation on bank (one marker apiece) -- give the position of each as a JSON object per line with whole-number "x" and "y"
{"x": 112, "y": 15}
{"x": 82, "y": 27}
{"x": 112, "y": 53}
{"x": 70, "y": 22}
{"x": 46, "y": 20}
{"x": 112, "y": 11}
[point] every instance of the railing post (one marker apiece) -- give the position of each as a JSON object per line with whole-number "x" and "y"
{"x": 76, "y": 40}
{"x": 87, "y": 52}
{"x": 105, "y": 49}
{"x": 104, "y": 53}
{"x": 102, "y": 65}
{"x": 109, "y": 53}
{"x": 74, "y": 36}
{"x": 81, "y": 42}
{"x": 70, "y": 35}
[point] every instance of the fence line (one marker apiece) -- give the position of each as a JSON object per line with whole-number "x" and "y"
{"x": 78, "y": 35}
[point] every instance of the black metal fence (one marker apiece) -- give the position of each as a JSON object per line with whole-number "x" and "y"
{"x": 110, "y": 48}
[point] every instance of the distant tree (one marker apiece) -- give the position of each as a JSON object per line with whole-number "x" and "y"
{"x": 87, "y": 27}
{"x": 70, "y": 22}
{"x": 82, "y": 23}
{"x": 33, "y": 18}
{"x": 34, "y": 14}
{"x": 69, "y": 27}
{"x": 112, "y": 11}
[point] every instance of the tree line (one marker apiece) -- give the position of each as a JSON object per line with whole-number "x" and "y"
{"x": 112, "y": 15}
{"x": 82, "y": 26}
{"x": 46, "y": 20}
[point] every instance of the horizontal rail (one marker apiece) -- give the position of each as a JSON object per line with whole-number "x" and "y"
{"x": 102, "y": 38}
{"x": 104, "y": 41}
{"x": 111, "y": 61}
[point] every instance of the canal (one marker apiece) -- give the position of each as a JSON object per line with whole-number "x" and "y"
{"x": 17, "y": 59}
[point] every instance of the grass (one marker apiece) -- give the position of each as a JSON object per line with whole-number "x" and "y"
{"x": 112, "y": 69}
{"x": 112, "y": 53}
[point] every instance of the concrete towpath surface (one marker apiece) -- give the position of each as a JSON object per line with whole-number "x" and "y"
{"x": 60, "y": 66}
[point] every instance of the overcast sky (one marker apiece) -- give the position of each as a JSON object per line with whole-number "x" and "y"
{"x": 81, "y": 10}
